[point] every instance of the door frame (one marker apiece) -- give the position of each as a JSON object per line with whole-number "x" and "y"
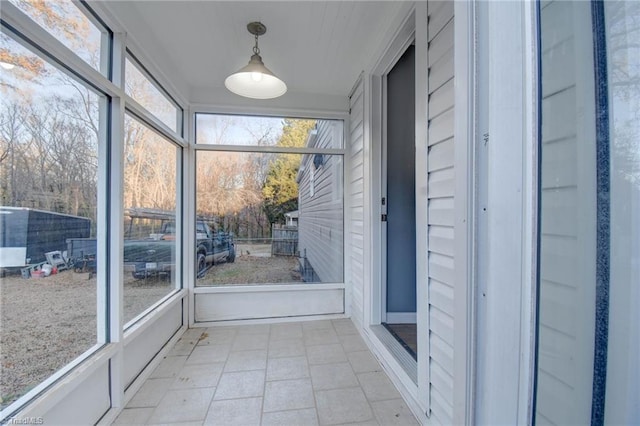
{"x": 412, "y": 30}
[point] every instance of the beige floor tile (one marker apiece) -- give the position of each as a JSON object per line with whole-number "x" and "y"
{"x": 333, "y": 376}
{"x": 170, "y": 366}
{"x": 344, "y": 327}
{"x": 243, "y": 384}
{"x": 286, "y": 331}
{"x": 209, "y": 354}
{"x": 183, "y": 406}
{"x": 326, "y": 354}
{"x": 340, "y": 406}
{"x": 186, "y": 343}
{"x": 198, "y": 376}
{"x": 287, "y": 368}
{"x": 150, "y": 393}
{"x": 235, "y": 412}
{"x": 133, "y": 416}
{"x": 287, "y": 348}
{"x": 217, "y": 336}
{"x": 363, "y": 362}
{"x": 246, "y": 361}
{"x": 316, "y": 325}
{"x": 288, "y": 395}
{"x": 249, "y": 342}
{"x": 193, "y": 334}
{"x": 253, "y": 329}
{"x": 377, "y": 386}
{"x": 393, "y": 412}
{"x": 320, "y": 336}
{"x": 305, "y": 417}
{"x": 299, "y": 373}
{"x": 353, "y": 343}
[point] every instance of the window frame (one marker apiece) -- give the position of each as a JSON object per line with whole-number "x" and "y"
{"x": 190, "y": 200}
{"x": 178, "y": 284}
{"x": 112, "y": 335}
{"x": 134, "y": 61}
{"x": 17, "y": 26}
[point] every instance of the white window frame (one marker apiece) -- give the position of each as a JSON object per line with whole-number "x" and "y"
{"x": 190, "y": 206}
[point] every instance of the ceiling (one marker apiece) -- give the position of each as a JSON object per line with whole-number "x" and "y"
{"x": 316, "y": 47}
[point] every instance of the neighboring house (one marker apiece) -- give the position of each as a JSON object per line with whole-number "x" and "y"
{"x": 320, "y": 206}
{"x": 291, "y": 218}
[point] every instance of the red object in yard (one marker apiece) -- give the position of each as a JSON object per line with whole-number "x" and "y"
{"x": 54, "y": 270}
{"x": 37, "y": 274}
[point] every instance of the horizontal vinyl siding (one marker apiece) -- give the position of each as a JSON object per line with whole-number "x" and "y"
{"x": 441, "y": 188}
{"x": 321, "y": 235}
{"x": 355, "y": 192}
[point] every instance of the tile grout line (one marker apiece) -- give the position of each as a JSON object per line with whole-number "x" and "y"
{"x": 264, "y": 382}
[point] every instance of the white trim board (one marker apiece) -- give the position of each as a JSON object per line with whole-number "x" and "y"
{"x": 413, "y": 24}
{"x": 260, "y": 304}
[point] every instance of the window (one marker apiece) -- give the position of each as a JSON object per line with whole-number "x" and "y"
{"x": 141, "y": 88}
{"x": 76, "y": 29}
{"x": 588, "y": 332}
{"x": 622, "y": 19}
{"x": 263, "y": 224}
{"x": 150, "y": 200}
{"x": 312, "y": 181}
{"x": 49, "y": 136}
{"x": 218, "y": 129}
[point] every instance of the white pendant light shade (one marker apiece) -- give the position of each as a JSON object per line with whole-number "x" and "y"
{"x": 255, "y": 81}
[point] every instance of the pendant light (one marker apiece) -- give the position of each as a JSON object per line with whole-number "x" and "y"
{"x": 255, "y": 80}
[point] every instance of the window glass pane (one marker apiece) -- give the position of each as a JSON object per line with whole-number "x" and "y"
{"x": 568, "y": 215}
{"x": 70, "y": 26}
{"x": 49, "y": 133}
{"x": 216, "y": 129}
{"x": 268, "y": 217}
{"x": 622, "y": 21}
{"x": 140, "y": 88}
{"x": 150, "y": 201}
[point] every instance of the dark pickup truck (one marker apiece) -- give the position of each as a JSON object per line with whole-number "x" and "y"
{"x": 156, "y": 255}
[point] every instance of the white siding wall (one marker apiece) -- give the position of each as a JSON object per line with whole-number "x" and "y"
{"x": 320, "y": 223}
{"x": 355, "y": 192}
{"x": 441, "y": 184}
{"x": 567, "y": 266}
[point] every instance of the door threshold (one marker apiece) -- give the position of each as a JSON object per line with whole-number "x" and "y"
{"x": 398, "y": 351}
{"x": 407, "y": 345}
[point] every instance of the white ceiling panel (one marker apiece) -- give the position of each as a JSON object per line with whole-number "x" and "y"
{"x": 316, "y": 47}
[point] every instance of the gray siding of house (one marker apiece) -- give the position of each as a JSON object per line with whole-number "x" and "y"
{"x": 355, "y": 192}
{"x": 320, "y": 224}
{"x": 441, "y": 185}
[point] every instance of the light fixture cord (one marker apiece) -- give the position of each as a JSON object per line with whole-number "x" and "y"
{"x": 256, "y": 49}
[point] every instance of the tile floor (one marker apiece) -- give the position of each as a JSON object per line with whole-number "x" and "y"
{"x": 305, "y": 373}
